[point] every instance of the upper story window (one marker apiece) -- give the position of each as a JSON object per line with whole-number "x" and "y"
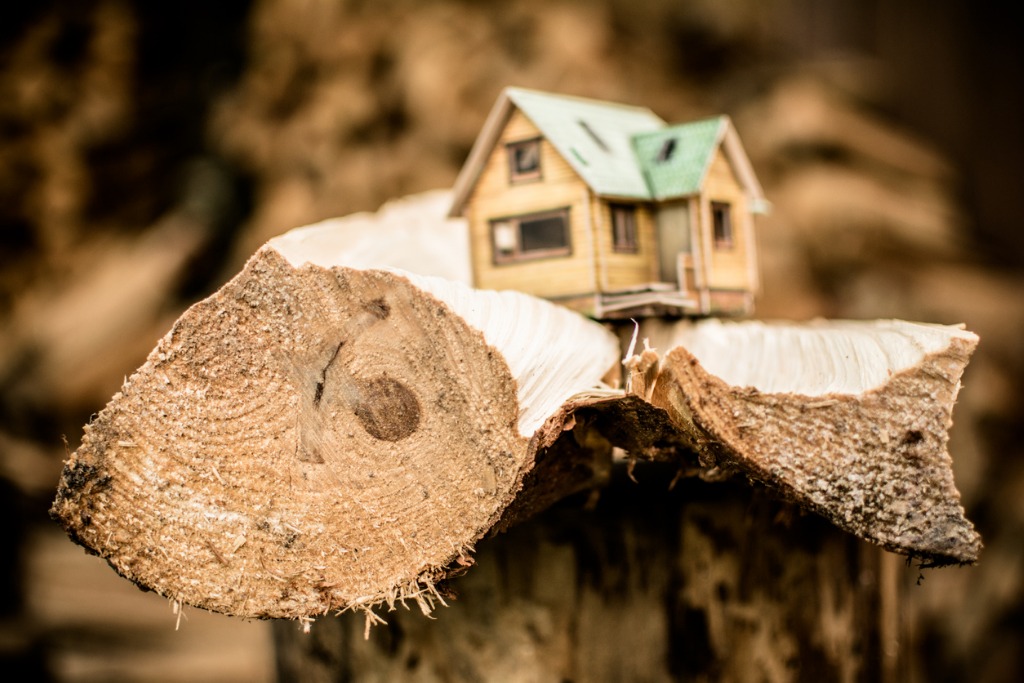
{"x": 624, "y": 228}
{"x": 721, "y": 219}
{"x": 524, "y": 160}
{"x": 538, "y": 235}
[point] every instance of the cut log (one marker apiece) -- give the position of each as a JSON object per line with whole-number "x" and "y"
{"x": 848, "y": 419}
{"x": 317, "y": 438}
{"x": 312, "y": 439}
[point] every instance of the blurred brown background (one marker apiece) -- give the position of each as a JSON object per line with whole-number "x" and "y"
{"x": 146, "y": 149}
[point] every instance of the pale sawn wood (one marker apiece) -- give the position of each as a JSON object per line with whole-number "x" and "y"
{"x": 311, "y": 439}
{"x": 315, "y": 438}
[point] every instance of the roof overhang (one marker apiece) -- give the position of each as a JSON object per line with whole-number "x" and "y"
{"x": 505, "y": 105}
{"x": 737, "y": 156}
{"x": 477, "y": 159}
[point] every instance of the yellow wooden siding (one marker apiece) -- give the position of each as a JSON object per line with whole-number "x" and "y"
{"x": 494, "y": 179}
{"x": 593, "y": 264}
{"x": 621, "y": 271}
{"x": 726, "y": 268}
{"x": 558, "y": 188}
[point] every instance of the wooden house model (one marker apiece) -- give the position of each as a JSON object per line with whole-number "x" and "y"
{"x": 609, "y": 210}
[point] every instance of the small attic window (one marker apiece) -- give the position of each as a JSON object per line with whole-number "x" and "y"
{"x": 524, "y": 160}
{"x": 594, "y": 136}
{"x": 668, "y": 148}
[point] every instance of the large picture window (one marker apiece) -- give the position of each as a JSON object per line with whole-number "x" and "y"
{"x": 524, "y": 160}
{"x": 538, "y": 235}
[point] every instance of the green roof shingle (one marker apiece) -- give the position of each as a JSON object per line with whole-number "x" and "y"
{"x": 595, "y": 138}
{"x": 675, "y": 160}
{"x": 621, "y": 150}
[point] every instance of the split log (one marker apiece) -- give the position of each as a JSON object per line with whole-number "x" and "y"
{"x": 316, "y": 438}
{"x": 849, "y": 419}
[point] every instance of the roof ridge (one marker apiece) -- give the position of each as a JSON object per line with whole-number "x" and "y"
{"x": 592, "y": 136}
{"x": 612, "y": 146}
{"x": 610, "y": 104}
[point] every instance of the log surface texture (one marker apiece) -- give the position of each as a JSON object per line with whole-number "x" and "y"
{"x": 314, "y": 438}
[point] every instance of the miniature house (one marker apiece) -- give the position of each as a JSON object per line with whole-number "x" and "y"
{"x": 607, "y": 209}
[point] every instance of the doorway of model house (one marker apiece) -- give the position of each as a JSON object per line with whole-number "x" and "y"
{"x": 675, "y": 246}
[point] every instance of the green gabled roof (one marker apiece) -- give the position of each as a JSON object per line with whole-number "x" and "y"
{"x": 617, "y": 149}
{"x": 595, "y": 138}
{"x": 676, "y": 159}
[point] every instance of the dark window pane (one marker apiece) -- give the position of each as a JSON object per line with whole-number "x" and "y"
{"x": 527, "y": 159}
{"x": 722, "y": 220}
{"x": 524, "y": 160}
{"x": 542, "y": 234}
{"x": 624, "y": 227}
{"x": 668, "y": 148}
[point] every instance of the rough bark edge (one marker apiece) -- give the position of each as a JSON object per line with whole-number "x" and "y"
{"x": 685, "y": 390}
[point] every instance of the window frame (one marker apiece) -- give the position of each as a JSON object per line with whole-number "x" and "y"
{"x": 515, "y": 175}
{"x": 722, "y": 232}
{"x": 625, "y": 237}
{"x": 499, "y": 257}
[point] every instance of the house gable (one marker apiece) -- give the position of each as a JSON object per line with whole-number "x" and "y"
{"x": 499, "y": 191}
{"x": 518, "y": 226}
{"x": 675, "y": 160}
{"x": 730, "y": 261}
{"x": 594, "y": 138}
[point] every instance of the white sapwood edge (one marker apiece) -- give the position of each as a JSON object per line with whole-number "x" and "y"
{"x": 411, "y": 233}
{"x": 552, "y": 352}
{"x": 817, "y": 358}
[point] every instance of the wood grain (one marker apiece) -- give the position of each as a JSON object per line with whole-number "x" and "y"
{"x": 305, "y": 440}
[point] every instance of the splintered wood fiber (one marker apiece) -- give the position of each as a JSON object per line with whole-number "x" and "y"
{"x": 307, "y": 439}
